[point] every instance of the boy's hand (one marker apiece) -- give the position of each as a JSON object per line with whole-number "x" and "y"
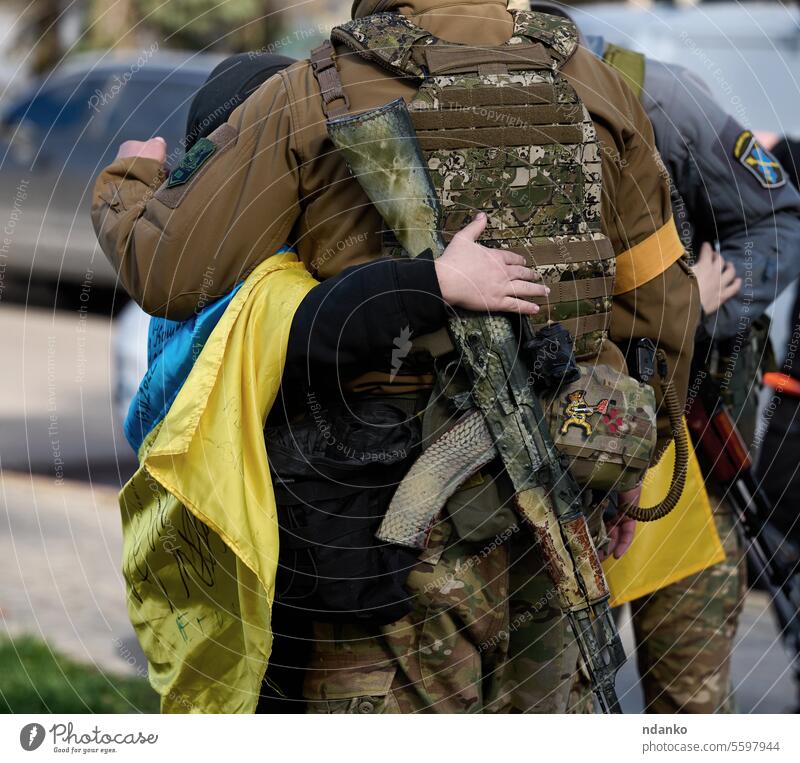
{"x": 156, "y": 148}
{"x": 486, "y": 280}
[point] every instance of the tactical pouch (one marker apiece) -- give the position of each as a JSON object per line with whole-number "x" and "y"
{"x": 605, "y": 425}
{"x": 334, "y": 476}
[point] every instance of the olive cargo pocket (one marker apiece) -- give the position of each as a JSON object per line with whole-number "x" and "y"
{"x": 363, "y": 691}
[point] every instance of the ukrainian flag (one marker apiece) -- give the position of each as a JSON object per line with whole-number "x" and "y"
{"x": 200, "y": 533}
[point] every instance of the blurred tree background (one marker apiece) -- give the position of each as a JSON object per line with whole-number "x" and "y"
{"x": 224, "y": 25}
{"x": 49, "y": 29}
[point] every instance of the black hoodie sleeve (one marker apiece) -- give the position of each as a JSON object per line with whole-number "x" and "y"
{"x": 348, "y": 324}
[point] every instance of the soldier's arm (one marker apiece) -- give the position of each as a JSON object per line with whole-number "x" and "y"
{"x": 655, "y": 293}
{"x": 732, "y": 192}
{"x": 352, "y": 322}
{"x": 187, "y": 239}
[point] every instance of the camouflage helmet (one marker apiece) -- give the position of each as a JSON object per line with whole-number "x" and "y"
{"x": 604, "y": 423}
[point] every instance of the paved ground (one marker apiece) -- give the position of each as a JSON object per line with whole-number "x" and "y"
{"x": 60, "y": 579}
{"x": 56, "y": 410}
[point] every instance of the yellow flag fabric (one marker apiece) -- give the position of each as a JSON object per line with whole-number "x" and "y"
{"x": 683, "y": 543}
{"x": 200, "y": 534}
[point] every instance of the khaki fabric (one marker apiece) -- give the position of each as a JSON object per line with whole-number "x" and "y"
{"x": 277, "y": 179}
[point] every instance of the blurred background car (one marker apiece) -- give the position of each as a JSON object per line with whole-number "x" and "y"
{"x": 61, "y": 130}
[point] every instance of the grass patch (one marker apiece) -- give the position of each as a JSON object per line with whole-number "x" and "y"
{"x": 35, "y": 679}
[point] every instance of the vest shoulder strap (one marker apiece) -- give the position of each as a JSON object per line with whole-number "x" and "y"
{"x": 629, "y": 63}
{"x": 387, "y": 39}
{"x": 393, "y": 42}
{"x": 557, "y": 33}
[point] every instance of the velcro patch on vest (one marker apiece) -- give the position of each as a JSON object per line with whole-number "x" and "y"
{"x": 453, "y": 59}
{"x": 577, "y": 412}
{"x": 759, "y": 162}
{"x": 172, "y": 192}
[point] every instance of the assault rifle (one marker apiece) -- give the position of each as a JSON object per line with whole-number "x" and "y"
{"x": 725, "y": 458}
{"x": 503, "y": 416}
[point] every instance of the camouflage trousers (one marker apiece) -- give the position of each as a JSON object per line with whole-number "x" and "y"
{"x": 485, "y": 635}
{"x": 685, "y": 633}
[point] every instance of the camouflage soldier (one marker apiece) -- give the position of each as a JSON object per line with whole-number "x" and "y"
{"x": 685, "y": 632}
{"x": 480, "y": 630}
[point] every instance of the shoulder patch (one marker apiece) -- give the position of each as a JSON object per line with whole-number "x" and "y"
{"x": 759, "y": 162}
{"x": 199, "y": 154}
{"x": 177, "y": 185}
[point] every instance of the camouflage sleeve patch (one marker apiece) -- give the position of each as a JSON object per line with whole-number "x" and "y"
{"x": 179, "y": 181}
{"x": 759, "y": 162}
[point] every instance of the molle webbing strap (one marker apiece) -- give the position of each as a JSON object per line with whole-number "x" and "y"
{"x": 457, "y": 116}
{"x": 519, "y": 95}
{"x": 458, "y": 59}
{"x": 586, "y": 324}
{"x": 578, "y": 290}
{"x": 557, "y": 252}
{"x": 439, "y": 343}
{"x": 511, "y": 236}
{"x": 492, "y": 137}
{"x": 323, "y": 65}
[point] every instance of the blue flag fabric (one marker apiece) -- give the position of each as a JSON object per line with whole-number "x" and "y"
{"x": 172, "y": 348}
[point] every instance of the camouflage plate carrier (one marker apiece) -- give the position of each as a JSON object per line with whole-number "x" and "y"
{"x": 504, "y": 132}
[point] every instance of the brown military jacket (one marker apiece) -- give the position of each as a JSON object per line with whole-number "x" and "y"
{"x": 274, "y": 177}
